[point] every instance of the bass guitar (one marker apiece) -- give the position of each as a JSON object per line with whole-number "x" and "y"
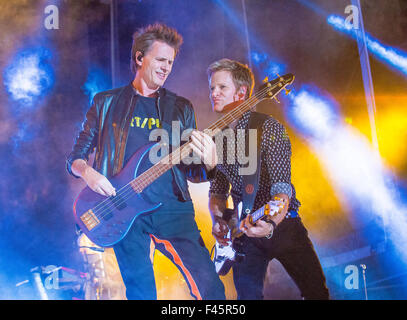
{"x": 107, "y": 220}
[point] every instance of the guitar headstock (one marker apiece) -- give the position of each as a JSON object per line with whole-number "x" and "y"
{"x": 273, "y": 87}
{"x": 274, "y": 207}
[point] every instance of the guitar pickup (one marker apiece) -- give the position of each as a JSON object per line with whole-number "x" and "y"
{"x": 118, "y": 202}
{"x": 220, "y": 259}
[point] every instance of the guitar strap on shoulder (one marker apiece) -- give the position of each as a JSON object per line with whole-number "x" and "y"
{"x": 251, "y": 182}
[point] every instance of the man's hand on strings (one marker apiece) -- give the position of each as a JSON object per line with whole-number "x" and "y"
{"x": 95, "y": 181}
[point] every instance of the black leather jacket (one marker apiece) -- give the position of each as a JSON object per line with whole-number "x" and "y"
{"x": 106, "y": 128}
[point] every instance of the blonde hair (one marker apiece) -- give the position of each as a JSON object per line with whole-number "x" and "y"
{"x": 241, "y": 74}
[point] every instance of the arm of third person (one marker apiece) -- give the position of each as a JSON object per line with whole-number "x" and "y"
{"x": 220, "y": 227}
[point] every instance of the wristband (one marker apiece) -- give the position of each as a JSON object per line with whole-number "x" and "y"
{"x": 272, "y": 230}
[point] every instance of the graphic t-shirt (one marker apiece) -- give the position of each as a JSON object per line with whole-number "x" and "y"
{"x": 144, "y": 120}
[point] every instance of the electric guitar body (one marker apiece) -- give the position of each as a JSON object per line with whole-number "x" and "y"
{"x": 226, "y": 256}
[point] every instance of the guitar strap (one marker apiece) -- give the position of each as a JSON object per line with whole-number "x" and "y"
{"x": 251, "y": 182}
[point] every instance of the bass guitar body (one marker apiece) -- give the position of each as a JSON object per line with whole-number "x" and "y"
{"x": 110, "y": 218}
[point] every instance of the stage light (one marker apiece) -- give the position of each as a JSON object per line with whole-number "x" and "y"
{"x": 312, "y": 115}
{"x": 394, "y": 57}
{"x": 267, "y": 65}
{"x": 313, "y": 7}
{"x": 26, "y": 133}
{"x": 29, "y": 76}
{"x": 252, "y": 40}
{"x": 391, "y": 127}
{"x": 356, "y": 171}
{"x": 97, "y": 81}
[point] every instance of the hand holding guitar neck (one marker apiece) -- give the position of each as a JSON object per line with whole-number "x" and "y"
{"x": 280, "y": 216}
{"x": 262, "y": 227}
{"x": 226, "y": 255}
{"x": 258, "y": 230}
{"x": 205, "y": 148}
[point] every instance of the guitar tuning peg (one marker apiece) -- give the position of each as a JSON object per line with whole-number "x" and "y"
{"x": 266, "y": 79}
{"x": 278, "y": 75}
{"x": 275, "y": 98}
{"x": 287, "y": 91}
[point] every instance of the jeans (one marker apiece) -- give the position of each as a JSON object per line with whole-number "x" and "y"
{"x": 178, "y": 238}
{"x": 291, "y": 246}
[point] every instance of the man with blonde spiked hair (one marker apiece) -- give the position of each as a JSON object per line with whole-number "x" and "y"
{"x": 283, "y": 236}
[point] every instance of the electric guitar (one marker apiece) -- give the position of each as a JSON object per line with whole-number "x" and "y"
{"x": 226, "y": 256}
{"x": 107, "y": 220}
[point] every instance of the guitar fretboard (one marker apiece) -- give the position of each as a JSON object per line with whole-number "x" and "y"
{"x": 258, "y": 214}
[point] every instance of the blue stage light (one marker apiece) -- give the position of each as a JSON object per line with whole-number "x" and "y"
{"x": 353, "y": 166}
{"x": 267, "y": 66}
{"x": 396, "y": 58}
{"x": 29, "y": 75}
{"x": 97, "y": 81}
{"x": 312, "y": 114}
{"x": 313, "y": 7}
{"x": 26, "y": 133}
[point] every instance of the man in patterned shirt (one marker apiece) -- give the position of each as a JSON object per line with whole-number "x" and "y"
{"x": 284, "y": 237}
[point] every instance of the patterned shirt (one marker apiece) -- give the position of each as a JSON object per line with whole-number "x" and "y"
{"x": 275, "y": 174}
